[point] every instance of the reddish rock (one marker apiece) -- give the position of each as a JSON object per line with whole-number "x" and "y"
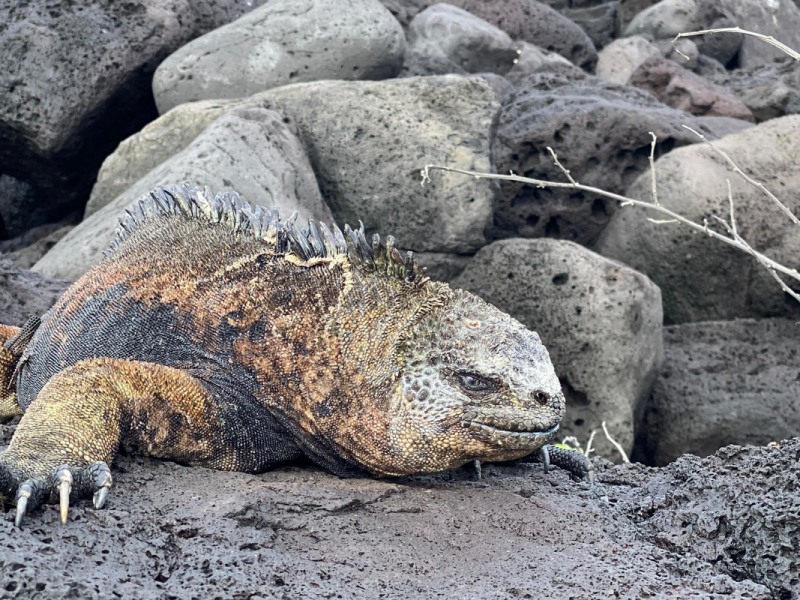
{"x": 682, "y": 89}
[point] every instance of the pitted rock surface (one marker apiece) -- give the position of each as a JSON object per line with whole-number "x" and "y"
{"x": 599, "y": 320}
{"x": 180, "y": 532}
{"x": 600, "y": 133}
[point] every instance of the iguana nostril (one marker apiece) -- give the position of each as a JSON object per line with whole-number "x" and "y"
{"x": 541, "y": 398}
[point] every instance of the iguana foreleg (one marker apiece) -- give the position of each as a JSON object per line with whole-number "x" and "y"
{"x": 70, "y": 434}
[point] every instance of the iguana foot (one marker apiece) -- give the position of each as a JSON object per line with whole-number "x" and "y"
{"x": 569, "y": 460}
{"x": 65, "y": 485}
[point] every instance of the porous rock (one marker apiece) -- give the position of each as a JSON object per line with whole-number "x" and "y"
{"x": 703, "y": 279}
{"x": 680, "y": 88}
{"x": 24, "y": 293}
{"x": 75, "y": 81}
{"x": 600, "y": 133}
{"x": 18, "y": 207}
{"x": 719, "y": 528}
{"x": 769, "y": 91}
{"x": 599, "y": 320}
{"x": 779, "y": 19}
{"x": 282, "y": 42}
{"x": 668, "y": 18}
{"x": 452, "y": 35}
{"x": 404, "y": 10}
{"x": 27, "y": 249}
{"x": 368, "y": 141}
{"x": 617, "y": 61}
{"x": 531, "y": 59}
{"x": 724, "y": 382}
{"x": 599, "y": 21}
{"x": 154, "y": 144}
{"x": 250, "y": 150}
{"x": 538, "y": 24}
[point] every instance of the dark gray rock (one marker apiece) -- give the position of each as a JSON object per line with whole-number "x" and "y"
{"x": 598, "y": 21}
{"x": 599, "y": 320}
{"x": 769, "y": 91}
{"x": 283, "y": 42}
{"x": 26, "y": 250}
{"x": 668, "y": 18}
{"x": 19, "y": 209}
{"x": 599, "y": 131}
{"x": 724, "y": 382}
{"x": 703, "y": 279}
{"x": 76, "y": 80}
{"x": 441, "y": 266}
{"x": 722, "y": 126}
{"x": 251, "y": 149}
{"x": 452, "y": 35}
{"x": 538, "y": 24}
{"x": 628, "y": 9}
{"x": 404, "y": 10}
{"x": 25, "y": 293}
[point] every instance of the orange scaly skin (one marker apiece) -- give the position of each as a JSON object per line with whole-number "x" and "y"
{"x": 215, "y": 334}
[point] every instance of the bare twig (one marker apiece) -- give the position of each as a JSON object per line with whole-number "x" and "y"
{"x": 615, "y": 443}
{"x": 589, "y": 443}
{"x": 674, "y": 217}
{"x": 560, "y": 166}
{"x": 765, "y": 38}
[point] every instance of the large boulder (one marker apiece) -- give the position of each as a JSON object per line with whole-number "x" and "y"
{"x": 538, "y": 24}
{"x": 282, "y": 42}
{"x": 75, "y": 80}
{"x": 158, "y": 141}
{"x": 600, "y": 133}
{"x": 367, "y": 142}
{"x": 724, "y": 382}
{"x": 680, "y": 88}
{"x": 452, "y": 35}
{"x": 599, "y": 320}
{"x": 617, "y": 61}
{"x": 703, "y": 279}
{"x": 251, "y": 150}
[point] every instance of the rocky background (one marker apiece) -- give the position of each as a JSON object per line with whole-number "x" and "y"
{"x": 331, "y": 108}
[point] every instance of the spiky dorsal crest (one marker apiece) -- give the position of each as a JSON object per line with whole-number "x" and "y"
{"x": 281, "y": 236}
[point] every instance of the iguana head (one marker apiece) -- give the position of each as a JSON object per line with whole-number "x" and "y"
{"x": 473, "y": 383}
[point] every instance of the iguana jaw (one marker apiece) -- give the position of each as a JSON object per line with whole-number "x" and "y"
{"x": 511, "y": 439}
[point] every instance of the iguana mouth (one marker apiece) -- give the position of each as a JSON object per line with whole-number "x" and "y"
{"x": 511, "y": 434}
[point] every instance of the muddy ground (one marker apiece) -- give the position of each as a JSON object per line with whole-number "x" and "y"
{"x": 723, "y": 527}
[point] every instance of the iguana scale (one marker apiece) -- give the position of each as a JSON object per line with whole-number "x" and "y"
{"x": 214, "y": 333}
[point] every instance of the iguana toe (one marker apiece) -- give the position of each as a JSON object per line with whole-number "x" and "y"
{"x": 67, "y": 484}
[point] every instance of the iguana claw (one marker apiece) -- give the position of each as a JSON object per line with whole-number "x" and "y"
{"x": 92, "y": 481}
{"x": 64, "y": 485}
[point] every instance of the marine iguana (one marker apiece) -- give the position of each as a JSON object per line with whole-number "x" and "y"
{"x": 214, "y": 333}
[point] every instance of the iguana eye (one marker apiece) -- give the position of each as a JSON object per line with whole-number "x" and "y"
{"x": 473, "y": 382}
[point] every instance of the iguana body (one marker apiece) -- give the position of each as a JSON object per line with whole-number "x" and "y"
{"x": 215, "y": 334}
